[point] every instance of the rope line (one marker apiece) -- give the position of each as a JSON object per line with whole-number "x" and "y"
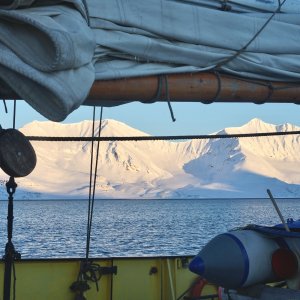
{"x": 14, "y": 114}
{"x": 89, "y": 271}
{"x": 90, "y": 187}
{"x": 158, "y": 138}
{"x": 13, "y": 262}
{"x": 168, "y": 98}
{"x": 270, "y": 91}
{"x": 240, "y": 51}
{"x": 92, "y": 196}
{"x": 227, "y": 60}
{"x": 158, "y": 91}
{"x": 5, "y": 106}
{"x": 162, "y": 80}
{"x": 219, "y": 88}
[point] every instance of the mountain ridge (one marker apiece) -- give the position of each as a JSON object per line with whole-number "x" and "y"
{"x": 236, "y": 167}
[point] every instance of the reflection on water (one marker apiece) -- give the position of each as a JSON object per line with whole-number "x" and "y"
{"x": 48, "y": 229}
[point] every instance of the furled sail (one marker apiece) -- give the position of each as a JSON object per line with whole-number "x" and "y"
{"x": 52, "y": 51}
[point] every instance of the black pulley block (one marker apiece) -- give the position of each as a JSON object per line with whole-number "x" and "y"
{"x": 17, "y": 156}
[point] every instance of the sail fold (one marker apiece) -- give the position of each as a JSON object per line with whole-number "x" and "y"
{"x": 52, "y": 51}
{"x": 46, "y": 57}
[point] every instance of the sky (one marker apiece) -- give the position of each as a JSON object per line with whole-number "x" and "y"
{"x": 155, "y": 119}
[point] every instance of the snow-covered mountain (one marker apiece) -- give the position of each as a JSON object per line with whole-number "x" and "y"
{"x": 239, "y": 167}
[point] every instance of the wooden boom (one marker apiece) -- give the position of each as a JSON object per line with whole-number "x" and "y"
{"x": 193, "y": 87}
{"x": 189, "y": 87}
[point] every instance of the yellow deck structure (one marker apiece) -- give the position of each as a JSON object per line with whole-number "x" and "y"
{"x": 147, "y": 278}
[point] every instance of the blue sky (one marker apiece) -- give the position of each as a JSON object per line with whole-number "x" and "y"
{"x": 155, "y": 119}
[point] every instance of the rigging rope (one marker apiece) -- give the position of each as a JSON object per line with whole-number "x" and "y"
{"x": 90, "y": 271}
{"x": 92, "y": 191}
{"x": 163, "y": 79}
{"x": 158, "y": 138}
{"x": 168, "y": 98}
{"x": 14, "y": 114}
{"x": 240, "y": 51}
{"x": 90, "y": 186}
{"x": 5, "y": 106}
{"x": 13, "y": 263}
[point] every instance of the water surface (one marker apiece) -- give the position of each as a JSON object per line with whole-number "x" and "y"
{"x": 57, "y": 229}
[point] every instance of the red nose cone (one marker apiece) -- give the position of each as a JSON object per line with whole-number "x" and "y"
{"x": 284, "y": 264}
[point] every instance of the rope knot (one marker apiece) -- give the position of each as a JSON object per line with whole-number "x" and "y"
{"x": 91, "y": 272}
{"x": 79, "y": 286}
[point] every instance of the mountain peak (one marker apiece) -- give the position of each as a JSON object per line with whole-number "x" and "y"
{"x": 253, "y": 126}
{"x": 110, "y": 127}
{"x": 216, "y": 168}
{"x": 257, "y": 125}
{"x": 256, "y": 122}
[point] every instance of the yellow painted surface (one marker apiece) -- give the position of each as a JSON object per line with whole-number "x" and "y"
{"x": 180, "y": 270}
{"x": 39, "y": 280}
{"x": 136, "y": 279}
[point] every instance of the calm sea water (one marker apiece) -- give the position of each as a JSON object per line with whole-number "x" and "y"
{"x": 56, "y": 229}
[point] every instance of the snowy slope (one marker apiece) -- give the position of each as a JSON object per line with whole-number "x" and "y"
{"x": 243, "y": 167}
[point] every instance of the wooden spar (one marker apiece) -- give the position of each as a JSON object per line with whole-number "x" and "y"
{"x": 193, "y": 87}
